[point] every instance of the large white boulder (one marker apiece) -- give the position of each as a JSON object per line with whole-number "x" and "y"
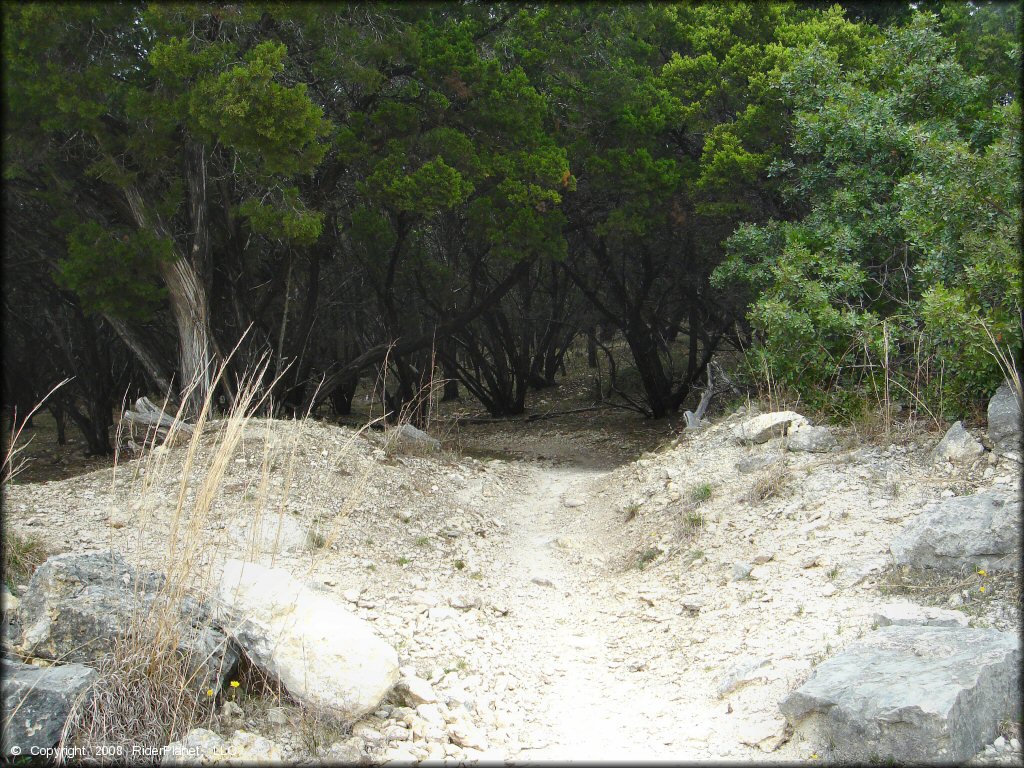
{"x": 762, "y": 428}
{"x": 326, "y": 657}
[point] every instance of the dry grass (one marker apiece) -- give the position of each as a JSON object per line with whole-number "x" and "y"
{"x": 148, "y": 692}
{"x": 22, "y": 555}
{"x": 13, "y": 461}
{"x": 151, "y": 691}
{"x": 978, "y": 590}
{"x": 770, "y": 483}
{"x": 141, "y": 699}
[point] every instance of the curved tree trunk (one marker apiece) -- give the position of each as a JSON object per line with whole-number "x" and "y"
{"x": 190, "y": 308}
{"x": 187, "y": 284}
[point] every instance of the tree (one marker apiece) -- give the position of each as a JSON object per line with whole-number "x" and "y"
{"x": 153, "y": 101}
{"x": 908, "y": 228}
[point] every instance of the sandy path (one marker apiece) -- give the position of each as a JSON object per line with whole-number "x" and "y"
{"x": 564, "y": 643}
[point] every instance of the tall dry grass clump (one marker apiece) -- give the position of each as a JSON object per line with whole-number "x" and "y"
{"x": 148, "y": 690}
{"x": 152, "y": 690}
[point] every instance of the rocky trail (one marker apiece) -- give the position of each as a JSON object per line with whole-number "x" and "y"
{"x": 574, "y": 594}
{"x": 565, "y": 642}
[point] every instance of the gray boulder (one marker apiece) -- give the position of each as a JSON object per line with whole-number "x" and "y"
{"x": 409, "y": 433}
{"x": 77, "y": 606}
{"x": 761, "y": 429}
{"x": 958, "y": 446}
{"x": 811, "y": 439}
{"x": 37, "y": 702}
{"x": 1004, "y": 425}
{"x": 910, "y": 694}
{"x": 964, "y": 532}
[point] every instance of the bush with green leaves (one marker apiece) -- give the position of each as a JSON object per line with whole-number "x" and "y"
{"x": 905, "y": 260}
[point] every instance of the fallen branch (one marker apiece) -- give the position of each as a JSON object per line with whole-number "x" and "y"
{"x": 154, "y": 421}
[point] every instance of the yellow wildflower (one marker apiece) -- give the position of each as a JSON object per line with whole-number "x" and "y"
{"x": 235, "y": 683}
{"x": 209, "y": 691}
{"x": 981, "y": 589}
{"x": 982, "y": 573}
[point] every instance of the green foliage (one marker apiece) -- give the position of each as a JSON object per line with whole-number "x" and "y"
{"x": 909, "y": 178}
{"x": 287, "y": 220}
{"x": 246, "y": 109}
{"x": 114, "y": 273}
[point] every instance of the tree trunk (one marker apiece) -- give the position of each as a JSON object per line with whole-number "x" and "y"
{"x": 187, "y": 286}
{"x": 657, "y": 386}
{"x": 149, "y": 363}
{"x": 191, "y": 316}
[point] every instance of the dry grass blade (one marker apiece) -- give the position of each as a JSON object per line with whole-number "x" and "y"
{"x": 770, "y": 483}
{"x": 11, "y": 465}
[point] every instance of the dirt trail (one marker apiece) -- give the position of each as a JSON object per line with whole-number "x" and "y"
{"x": 564, "y": 639}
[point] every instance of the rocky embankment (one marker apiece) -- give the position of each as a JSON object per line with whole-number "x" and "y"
{"x": 759, "y": 589}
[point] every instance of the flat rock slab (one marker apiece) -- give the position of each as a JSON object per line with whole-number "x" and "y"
{"x": 37, "y": 702}
{"x": 762, "y": 428}
{"x": 963, "y": 533}
{"x": 912, "y": 614}
{"x": 911, "y": 694}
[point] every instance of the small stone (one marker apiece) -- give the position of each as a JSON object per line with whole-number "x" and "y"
{"x": 810, "y": 562}
{"x": 1000, "y": 743}
{"x": 467, "y": 735}
{"x": 464, "y": 602}
{"x": 542, "y": 582}
{"x": 429, "y": 599}
{"x": 828, "y": 590}
{"x": 431, "y": 713}
{"x": 693, "y": 603}
{"x": 342, "y": 752}
{"x": 741, "y": 570}
{"x": 367, "y": 733}
{"x": 8, "y": 602}
{"x": 572, "y": 503}
{"x": 352, "y": 595}
{"x": 763, "y": 557}
{"x": 277, "y": 716}
{"x": 1015, "y": 745}
{"x": 416, "y": 691}
{"x": 230, "y": 710}
{"x": 397, "y": 733}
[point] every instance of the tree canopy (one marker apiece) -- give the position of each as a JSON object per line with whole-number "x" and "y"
{"x": 830, "y": 189}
